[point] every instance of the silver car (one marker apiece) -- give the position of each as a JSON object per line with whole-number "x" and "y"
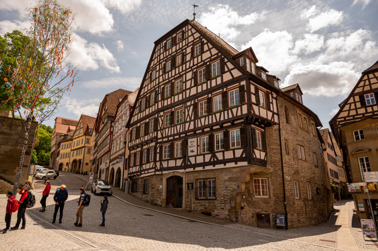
{"x": 101, "y": 186}
{"x": 46, "y": 175}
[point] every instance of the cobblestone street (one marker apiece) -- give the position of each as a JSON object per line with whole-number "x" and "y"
{"x": 131, "y": 227}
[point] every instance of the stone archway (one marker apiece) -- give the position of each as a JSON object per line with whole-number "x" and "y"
{"x": 174, "y": 192}
{"x": 60, "y": 168}
{"x": 73, "y": 166}
{"x": 118, "y": 178}
{"x": 111, "y": 177}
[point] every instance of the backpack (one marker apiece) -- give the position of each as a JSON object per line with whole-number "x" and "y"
{"x": 87, "y": 200}
{"x": 15, "y": 205}
{"x": 30, "y": 200}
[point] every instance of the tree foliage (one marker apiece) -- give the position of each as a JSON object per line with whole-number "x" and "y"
{"x": 42, "y": 146}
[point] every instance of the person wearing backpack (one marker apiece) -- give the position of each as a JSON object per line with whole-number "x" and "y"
{"x": 83, "y": 200}
{"x": 23, "y": 202}
{"x": 60, "y": 198}
{"x": 45, "y": 194}
{"x": 12, "y": 206}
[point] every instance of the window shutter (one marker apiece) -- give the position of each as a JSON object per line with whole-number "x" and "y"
{"x": 195, "y": 110}
{"x": 195, "y": 77}
{"x": 224, "y": 100}
{"x": 161, "y": 153}
{"x": 209, "y": 105}
{"x": 267, "y": 98}
{"x": 208, "y": 72}
{"x": 165, "y": 46}
{"x": 164, "y": 68}
{"x": 202, "y": 46}
{"x": 173, "y": 62}
{"x": 362, "y": 100}
{"x": 222, "y": 66}
{"x": 254, "y": 143}
{"x": 163, "y": 93}
{"x": 138, "y": 132}
{"x": 156, "y": 96}
{"x": 141, "y": 157}
{"x": 174, "y": 40}
{"x": 183, "y": 58}
{"x": 211, "y": 142}
{"x": 171, "y": 150}
{"x": 172, "y": 117}
{"x": 243, "y": 137}
{"x": 242, "y": 94}
{"x": 226, "y": 140}
{"x": 257, "y": 95}
{"x": 172, "y": 88}
{"x": 192, "y": 53}
{"x": 263, "y": 140}
{"x": 184, "y": 147}
{"x": 146, "y": 128}
{"x": 156, "y": 124}
{"x": 376, "y": 97}
{"x": 148, "y": 155}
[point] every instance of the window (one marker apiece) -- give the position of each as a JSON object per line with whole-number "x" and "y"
{"x": 262, "y": 98}
{"x": 248, "y": 65}
{"x": 167, "y": 120}
{"x": 258, "y": 139}
{"x": 287, "y": 147}
{"x": 217, "y": 103}
{"x": 315, "y": 159}
{"x": 215, "y": 69}
{"x": 132, "y": 160}
{"x": 152, "y": 99}
{"x": 202, "y": 75}
{"x": 253, "y": 67}
{"x": 142, "y": 130}
{"x": 261, "y": 187}
{"x": 169, "y": 44}
{"x": 296, "y": 190}
{"x": 300, "y": 150}
{"x": 305, "y": 123}
{"x": 370, "y": 99}
{"x": 206, "y": 189}
{"x": 364, "y": 166}
{"x": 219, "y": 141}
{"x": 263, "y": 75}
{"x": 180, "y": 116}
{"x": 241, "y": 60}
{"x": 179, "y": 60}
{"x": 167, "y": 91}
{"x": 179, "y": 86}
{"x": 309, "y": 194}
{"x": 235, "y": 138}
{"x": 166, "y": 151}
{"x": 234, "y": 97}
{"x": 178, "y": 149}
{"x": 143, "y": 105}
{"x": 300, "y": 121}
{"x": 137, "y": 159}
{"x": 146, "y": 184}
{"x": 153, "y": 74}
{"x": 197, "y": 49}
{"x": 87, "y": 140}
{"x": 286, "y": 115}
{"x": 145, "y": 157}
{"x": 179, "y": 38}
{"x": 151, "y": 154}
{"x": 205, "y": 144}
{"x": 202, "y": 108}
{"x": 358, "y": 135}
{"x": 313, "y": 129}
{"x": 276, "y": 84}
{"x": 168, "y": 66}
{"x": 152, "y": 126}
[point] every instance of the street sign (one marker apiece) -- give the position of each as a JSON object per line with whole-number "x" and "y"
{"x": 371, "y": 176}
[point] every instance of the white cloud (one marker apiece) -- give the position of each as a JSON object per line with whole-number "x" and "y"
{"x": 79, "y": 107}
{"x": 333, "y": 112}
{"x": 88, "y": 56}
{"x": 329, "y": 80}
{"x": 364, "y": 2}
{"x": 9, "y": 26}
{"x": 114, "y": 83}
{"x": 123, "y": 6}
{"x": 311, "y": 43}
{"x": 224, "y": 21}
{"x": 119, "y": 45}
{"x": 318, "y": 19}
{"x": 273, "y": 50}
{"x": 19, "y": 5}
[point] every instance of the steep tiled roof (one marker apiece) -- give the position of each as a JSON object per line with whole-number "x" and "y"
{"x": 291, "y": 87}
{"x": 87, "y": 121}
{"x": 113, "y": 98}
{"x": 63, "y": 124}
{"x": 374, "y": 67}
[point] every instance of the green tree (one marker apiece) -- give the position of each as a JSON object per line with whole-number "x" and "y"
{"x": 42, "y": 145}
{"x": 36, "y": 77}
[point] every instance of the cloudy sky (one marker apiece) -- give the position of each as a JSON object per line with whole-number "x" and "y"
{"x": 322, "y": 45}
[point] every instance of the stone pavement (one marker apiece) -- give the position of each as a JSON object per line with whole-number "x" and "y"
{"x": 145, "y": 227}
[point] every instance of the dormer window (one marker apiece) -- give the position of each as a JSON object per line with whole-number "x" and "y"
{"x": 276, "y": 84}
{"x": 169, "y": 44}
{"x": 292, "y": 94}
{"x": 370, "y": 99}
{"x": 263, "y": 75}
{"x": 241, "y": 61}
{"x": 253, "y": 67}
{"x": 248, "y": 65}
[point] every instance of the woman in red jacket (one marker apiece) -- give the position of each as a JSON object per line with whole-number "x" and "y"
{"x": 45, "y": 194}
{"x": 8, "y": 211}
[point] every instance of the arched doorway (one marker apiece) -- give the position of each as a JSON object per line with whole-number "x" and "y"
{"x": 60, "y": 167}
{"x": 118, "y": 178}
{"x": 174, "y": 191}
{"x": 111, "y": 176}
{"x": 73, "y": 166}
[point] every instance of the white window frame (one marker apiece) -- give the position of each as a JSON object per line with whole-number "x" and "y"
{"x": 179, "y": 37}
{"x": 258, "y": 139}
{"x": 197, "y": 49}
{"x": 179, "y": 116}
{"x": 166, "y": 151}
{"x": 235, "y": 139}
{"x": 309, "y": 192}
{"x": 219, "y": 141}
{"x": 179, "y": 86}
{"x": 205, "y": 147}
{"x": 215, "y": 69}
{"x": 241, "y": 61}
{"x": 152, "y": 99}
{"x": 167, "y": 120}
{"x": 202, "y": 75}
{"x": 179, "y": 60}
{"x": 167, "y": 91}
{"x": 263, "y": 189}
{"x": 263, "y": 75}
{"x": 364, "y": 164}
{"x": 137, "y": 162}
{"x": 202, "y": 106}
{"x": 262, "y": 98}
{"x": 151, "y": 154}
{"x": 201, "y": 189}
{"x": 145, "y": 157}
{"x": 370, "y": 99}
{"x": 211, "y": 189}
{"x": 178, "y": 149}
{"x": 358, "y": 135}
{"x": 141, "y": 130}
{"x": 248, "y": 63}
{"x": 217, "y": 103}
{"x": 253, "y": 67}
{"x": 301, "y": 154}
{"x": 168, "y": 66}
{"x": 152, "y": 126}
{"x": 234, "y": 97}
{"x": 169, "y": 43}
{"x": 154, "y": 74}
{"x": 296, "y": 190}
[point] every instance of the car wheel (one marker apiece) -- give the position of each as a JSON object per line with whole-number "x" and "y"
{"x": 55, "y": 177}
{"x": 44, "y": 178}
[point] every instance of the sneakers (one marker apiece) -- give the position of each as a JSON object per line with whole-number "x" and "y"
{"x": 42, "y": 210}
{"x": 78, "y": 225}
{"x": 23, "y": 227}
{"x": 14, "y": 228}
{"x": 5, "y": 230}
{"x": 102, "y": 225}
{"x": 60, "y": 221}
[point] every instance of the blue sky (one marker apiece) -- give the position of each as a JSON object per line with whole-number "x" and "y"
{"x": 322, "y": 45}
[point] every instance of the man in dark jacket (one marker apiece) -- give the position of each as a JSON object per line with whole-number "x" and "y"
{"x": 60, "y": 197}
{"x": 22, "y": 208}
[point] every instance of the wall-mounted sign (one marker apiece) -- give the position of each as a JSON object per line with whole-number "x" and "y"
{"x": 371, "y": 176}
{"x": 361, "y": 207}
{"x": 189, "y": 186}
{"x": 356, "y": 187}
{"x": 192, "y": 146}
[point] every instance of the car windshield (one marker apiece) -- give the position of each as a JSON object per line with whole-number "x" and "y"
{"x": 42, "y": 171}
{"x": 102, "y": 183}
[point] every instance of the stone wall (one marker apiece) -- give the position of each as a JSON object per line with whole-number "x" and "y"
{"x": 11, "y": 139}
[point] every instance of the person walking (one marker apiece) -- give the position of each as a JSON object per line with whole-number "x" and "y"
{"x": 45, "y": 194}
{"x": 104, "y": 206}
{"x": 80, "y": 208}
{"x": 60, "y": 198}
{"x": 8, "y": 211}
{"x": 22, "y": 208}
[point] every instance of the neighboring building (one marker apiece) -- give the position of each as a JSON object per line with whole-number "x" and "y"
{"x": 205, "y": 136}
{"x": 119, "y": 142}
{"x": 333, "y": 159}
{"x": 93, "y": 153}
{"x": 61, "y": 126}
{"x": 64, "y": 149}
{"x": 81, "y": 141}
{"x": 355, "y": 127}
{"x": 104, "y": 129}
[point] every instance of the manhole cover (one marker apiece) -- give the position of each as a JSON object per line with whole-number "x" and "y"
{"x": 147, "y": 214}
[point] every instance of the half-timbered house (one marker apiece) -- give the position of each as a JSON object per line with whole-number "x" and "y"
{"x": 199, "y": 128}
{"x": 355, "y": 127}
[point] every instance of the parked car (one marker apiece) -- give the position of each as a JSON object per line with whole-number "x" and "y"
{"x": 46, "y": 174}
{"x": 101, "y": 186}
{"x": 39, "y": 169}
{"x": 57, "y": 172}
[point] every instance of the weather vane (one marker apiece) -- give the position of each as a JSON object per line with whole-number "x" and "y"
{"x": 194, "y": 11}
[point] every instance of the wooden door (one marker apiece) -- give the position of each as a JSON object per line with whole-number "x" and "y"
{"x": 263, "y": 220}
{"x": 174, "y": 191}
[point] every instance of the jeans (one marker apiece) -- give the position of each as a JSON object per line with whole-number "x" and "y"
{"x": 8, "y": 218}
{"x": 21, "y": 216}
{"x": 61, "y": 207}
{"x": 43, "y": 201}
{"x": 79, "y": 215}
{"x": 103, "y": 218}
